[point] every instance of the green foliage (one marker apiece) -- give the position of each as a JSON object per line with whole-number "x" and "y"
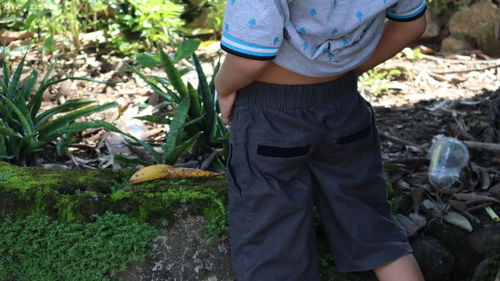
{"x": 128, "y": 24}
{"x": 218, "y": 221}
{"x": 196, "y": 123}
{"x": 203, "y": 17}
{"x": 148, "y": 20}
{"x": 24, "y": 129}
{"x": 493, "y": 267}
{"x": 377, "y": 80}
{"x": 45, "y": 19}
{"x": 39, "y": 248}
{"x": 411, "y": 54}
{"x": 445, "y": 8}
{"x": 152, "y": 15}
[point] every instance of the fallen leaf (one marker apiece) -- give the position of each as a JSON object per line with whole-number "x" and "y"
{"x": 472, "y": 198}
{"x": 458, "y": 220}
{"x": 425, "y": 50}
{"x": 162, "y": 171}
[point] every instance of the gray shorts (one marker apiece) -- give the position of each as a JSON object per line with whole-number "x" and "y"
{"x": 295, "y": 148}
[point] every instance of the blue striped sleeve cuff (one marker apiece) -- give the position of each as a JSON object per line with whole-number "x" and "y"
{"x": 247, "y": 50}
{"x": 409, "y": 16}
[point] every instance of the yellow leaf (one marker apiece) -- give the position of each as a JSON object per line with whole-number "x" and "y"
{"x": 162, "y": 171}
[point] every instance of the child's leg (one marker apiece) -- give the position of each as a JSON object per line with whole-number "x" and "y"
{"x": 270, "y": 199}
{"x": 404, "y": 268}
{"x": 351, "y": 195}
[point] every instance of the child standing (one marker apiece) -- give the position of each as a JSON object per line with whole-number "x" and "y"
{"x": 303, "y": 137}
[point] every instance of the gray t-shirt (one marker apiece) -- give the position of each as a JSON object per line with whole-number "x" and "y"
{"x": 315, "y": 38}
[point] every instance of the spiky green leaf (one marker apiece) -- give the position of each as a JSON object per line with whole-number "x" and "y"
{"x": 187, "y": 145}
{"x": 71, "y": 129}
{"x": 24, "y": 120}
{"x": 72, "y": 116}
{"x": 176, "y": 126}
{"x": 5, "y": 113}
{"x": 173, "y": 75}
{"x": 37, "y": 98}
{"x": 5, "y": 71}
{"x": 208, "y": 101}
{"x": 196, "y": 108}
{"x": 148, "y": 59}
{"x": 65, "y": 107}
{"x": 14, "y": 82}
{"x": 149, "y": 148}
{"x": 186, "y": 49}
{"x": 154, "y": 119}
{"x": 120, "y": 159}
{"x": 8, "y": 132}
{"x": 152, "y": 85}
{"x": 29, "y": 85}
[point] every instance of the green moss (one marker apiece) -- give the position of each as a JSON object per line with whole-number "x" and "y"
{"x": 38, "y": 248}
{"x": 121, "y": 194}
{"x": 25, "y": 180}
{"x": 75, "y": 195}
{"x": 67, "y": 207}
{"x": 161, "y": 198}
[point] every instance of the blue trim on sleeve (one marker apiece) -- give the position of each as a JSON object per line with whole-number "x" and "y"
{"x": 236, "y": 40}
{"x": 244, "y": 55}
{"x": 413, "y": 15}
{"x": 241, "y": 48}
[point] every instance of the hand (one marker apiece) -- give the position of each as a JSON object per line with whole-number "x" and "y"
{"x": 226, "y": 107}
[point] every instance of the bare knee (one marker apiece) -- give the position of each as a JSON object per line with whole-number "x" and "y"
{"x": 404, "y": 268}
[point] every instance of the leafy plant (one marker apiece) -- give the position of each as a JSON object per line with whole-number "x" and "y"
{"x": 203, "y": 17}
{"x": 151, "y": 16}
{"x": 45, "y": 19}
{"x": 218, "y": 223}
{"x": 39, "y": 248}
{"x": 139, "y": 23}
{"x": 24, "y": 129}
{"x": 128, "y": 24}
{"x": 445, "y": 8}
{"x": 195, "y": 123}
{"x": 377, "y": 80}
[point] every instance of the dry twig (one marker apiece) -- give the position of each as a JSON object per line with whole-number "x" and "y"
{"x": 472, "y": 198}
{"x": 483, "y": 145}
{"x": 468, "y": 70}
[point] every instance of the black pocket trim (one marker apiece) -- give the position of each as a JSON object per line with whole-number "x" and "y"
{"x": 356, "y": 136}
{"x": 282, "y": 152}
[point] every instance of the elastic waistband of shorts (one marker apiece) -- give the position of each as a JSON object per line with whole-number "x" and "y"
{"x": 261, "y": 94}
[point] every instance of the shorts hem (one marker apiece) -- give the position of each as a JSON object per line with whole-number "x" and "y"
{"x": 382, "y": 259}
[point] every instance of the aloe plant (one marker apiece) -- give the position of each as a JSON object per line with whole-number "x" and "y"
{"x": 24, "y": 129}
{"x": 200, "y": 125}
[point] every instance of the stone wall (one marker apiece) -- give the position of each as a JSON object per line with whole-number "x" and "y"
{"x": 467, "y": 28}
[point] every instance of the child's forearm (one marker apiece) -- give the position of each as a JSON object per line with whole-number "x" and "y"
{"x": 236, "y": 73}
{"x": 396, "y": 36}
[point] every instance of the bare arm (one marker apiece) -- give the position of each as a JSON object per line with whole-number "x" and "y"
{"x": 396, "y": 36}
{"x": 235, "y": 73}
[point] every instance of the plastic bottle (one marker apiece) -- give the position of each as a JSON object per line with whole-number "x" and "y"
{"x": 448, "y": 157}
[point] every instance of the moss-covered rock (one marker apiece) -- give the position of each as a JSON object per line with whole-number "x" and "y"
{"x": 73, "y": 195}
